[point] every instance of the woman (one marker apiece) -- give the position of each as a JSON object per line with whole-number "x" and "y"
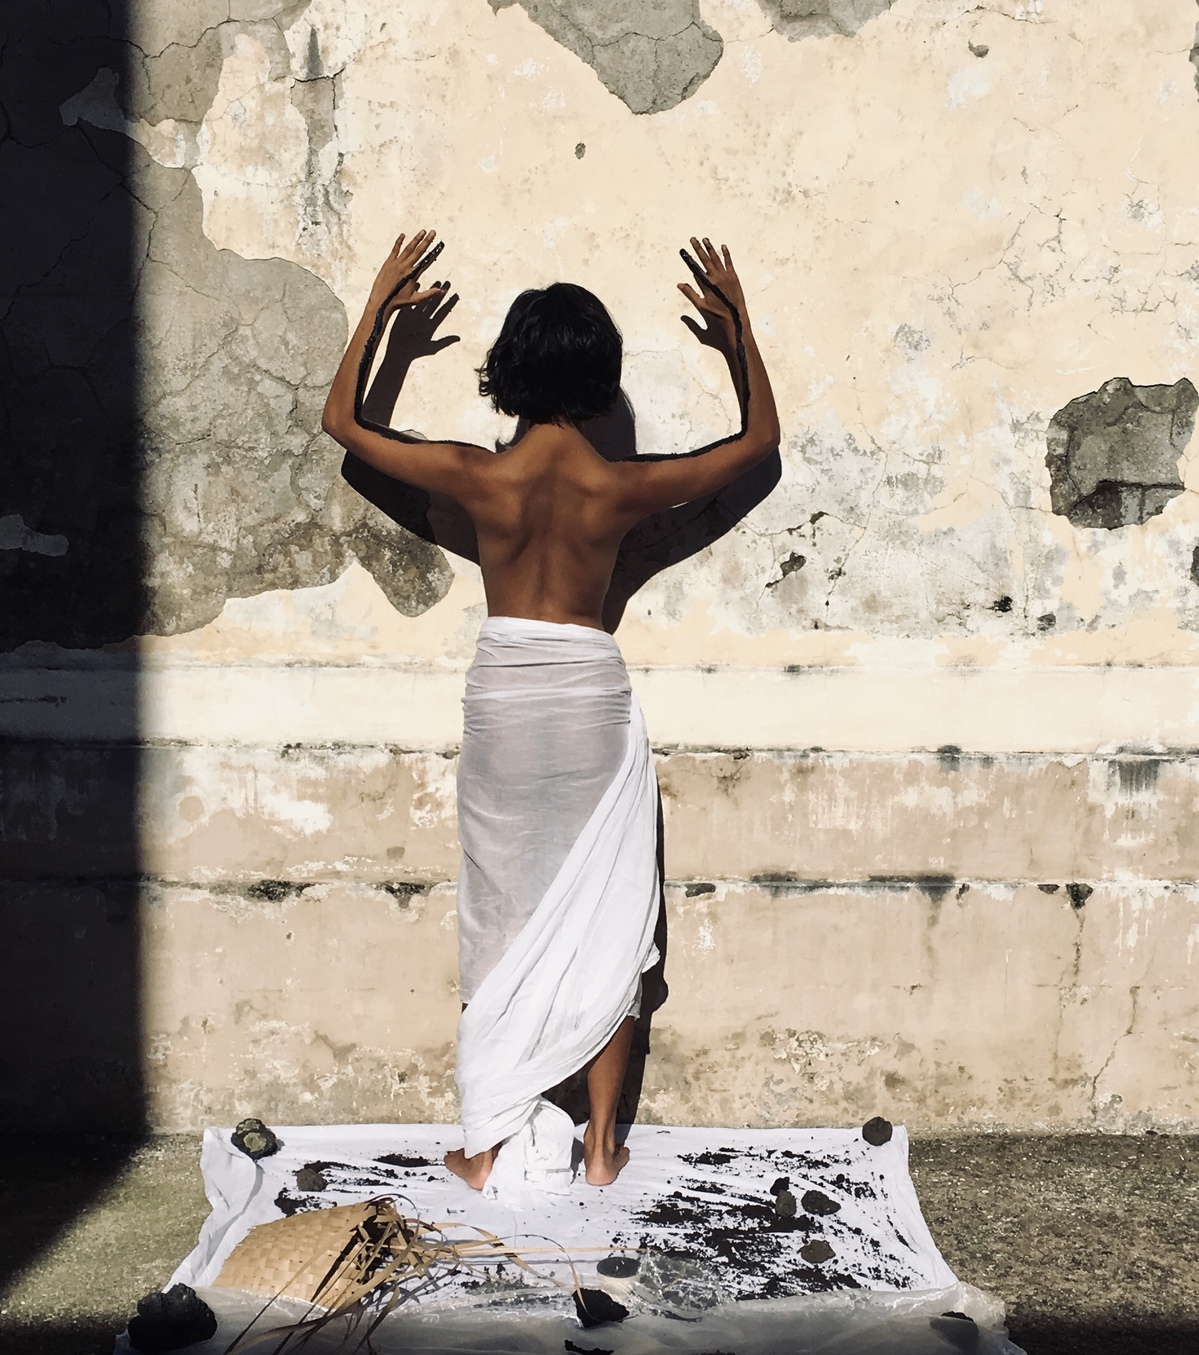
{"x": 556, "y": 794}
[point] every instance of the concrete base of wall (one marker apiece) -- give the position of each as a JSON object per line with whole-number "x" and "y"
{"x": 981, "y": 1005}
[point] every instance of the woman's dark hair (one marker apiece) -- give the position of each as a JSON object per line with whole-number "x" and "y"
{"x": 557, "y": 359}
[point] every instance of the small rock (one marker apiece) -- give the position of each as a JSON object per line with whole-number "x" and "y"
{"x": 958, "y": 1329}
{"x": 594, "y": 1308}
{"x": 877, "y": 1131}
{"x": 171, "y": 1321}
{"x": 783, "y": 1183}
{"x": 309, "y": 1179}
{"x": 580, "y": 151}
{"x": 254, "y": 1139}
{"x": 784, "y": 1204}
{"x": 816, "y": 1252}
{"x": 979, "y": 49}
{"x": 817, "y": 1202}
{"x": 618, "y": 1267}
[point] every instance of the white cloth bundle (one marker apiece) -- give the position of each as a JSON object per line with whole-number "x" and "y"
{"x": 558, "y": 893}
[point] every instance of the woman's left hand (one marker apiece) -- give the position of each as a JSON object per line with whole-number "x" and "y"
{"x": 402, "y": 260}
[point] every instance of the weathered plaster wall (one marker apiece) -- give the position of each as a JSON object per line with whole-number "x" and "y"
{"x": 957, "y": 646}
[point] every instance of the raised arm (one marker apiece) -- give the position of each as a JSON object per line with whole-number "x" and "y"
{"x": 438, "y": 467}
{"x": 647, "y": 485}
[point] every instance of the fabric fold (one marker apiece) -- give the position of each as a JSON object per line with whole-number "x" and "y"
{"x": 558, "y": 895}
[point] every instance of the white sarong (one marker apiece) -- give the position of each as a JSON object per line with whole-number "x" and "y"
{"x": 558, "y": 891}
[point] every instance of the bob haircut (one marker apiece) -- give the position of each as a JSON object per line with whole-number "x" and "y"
{"x": 557, "y": 359}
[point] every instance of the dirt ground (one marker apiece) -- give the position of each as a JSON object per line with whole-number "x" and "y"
{"x": 1091, "y": 1241}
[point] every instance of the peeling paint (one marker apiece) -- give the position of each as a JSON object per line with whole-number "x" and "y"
{"x": 651, "y": 56}
{"x": 1113, "y": 454}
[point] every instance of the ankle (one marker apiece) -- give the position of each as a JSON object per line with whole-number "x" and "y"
{"x": 601, "y": 1140}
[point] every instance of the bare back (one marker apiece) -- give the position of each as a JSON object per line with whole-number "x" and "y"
{"x": 550, "y": 512}
{"x": 549, "y": 525}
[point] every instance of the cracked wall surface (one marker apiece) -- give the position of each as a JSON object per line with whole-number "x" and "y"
{"x": 194, "y": 375}
{"x": 940, "y": 680}
{"x": 902, "y": 297}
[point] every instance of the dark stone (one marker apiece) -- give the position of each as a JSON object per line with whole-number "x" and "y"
{"x": 784, "y": 1204}
{"x": 979, "y": 49}
{"x": 877, "y": 1131}
{"x": 580, "y": 151}
{"x": 816, "y": 1252}
{"x": 310, "y": 1179}
{"x": 702, "y": 887}
{"x": 783, "y": 1183}
{"x": 171, "y": 1321}
{"x": 1195, "y": 566}
{"x": 1046, "y": 621}
{"x": 1003, "y": 604}
{"x": 1079, "y": 894}
{"x": 595, "y": 1308}
{"x": 959, "y": 1330}
{"x": 1112, "y": 455}
{"x": 817, "y": 1202}
{"x": 254, "y": 1139}
{"x": 618, "y": 1267}
{"x": 1049, "y": 889}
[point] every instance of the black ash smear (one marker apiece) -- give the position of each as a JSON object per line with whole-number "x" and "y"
{"x": 723, "y": 1212}
{"x": 716, "y": 1207}
{"x": 388, "y": 1174}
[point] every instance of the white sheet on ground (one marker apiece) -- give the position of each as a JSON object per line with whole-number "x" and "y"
{"x": 700, "y": 1193}
{"x": 558, "y": 893}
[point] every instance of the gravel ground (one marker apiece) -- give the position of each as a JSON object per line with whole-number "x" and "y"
{"x": 1092, "y": 1242}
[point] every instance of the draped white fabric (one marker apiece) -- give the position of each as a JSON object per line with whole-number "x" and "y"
{"x": 558, "y": 894}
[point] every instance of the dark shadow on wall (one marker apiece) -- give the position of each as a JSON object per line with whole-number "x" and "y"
{"x": 70, "y": 582}
{"x": 653, "y": 545}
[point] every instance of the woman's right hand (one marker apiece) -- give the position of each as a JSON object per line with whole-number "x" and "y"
{"x": 715, "y": 273}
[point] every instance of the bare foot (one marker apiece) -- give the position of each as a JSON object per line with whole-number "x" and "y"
{"x": 473, "y": 1170}
{"x": 603, "y": 1161}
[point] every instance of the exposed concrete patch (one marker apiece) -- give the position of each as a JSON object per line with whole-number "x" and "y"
{"x": 1113, "y": 454}
{"x": 204, "y": 454}
{"x": 796, "y": 19}
{"x": 652, "y": 56}
{"x": 242, "y": 491}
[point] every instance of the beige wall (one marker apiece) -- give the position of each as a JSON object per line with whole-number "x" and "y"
{"x": 953, "y": 221}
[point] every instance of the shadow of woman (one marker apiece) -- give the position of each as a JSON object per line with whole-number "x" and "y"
{"x": 656, "y": 543}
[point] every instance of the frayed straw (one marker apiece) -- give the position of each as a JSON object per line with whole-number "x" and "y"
{"x": 381, "y": 1252}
